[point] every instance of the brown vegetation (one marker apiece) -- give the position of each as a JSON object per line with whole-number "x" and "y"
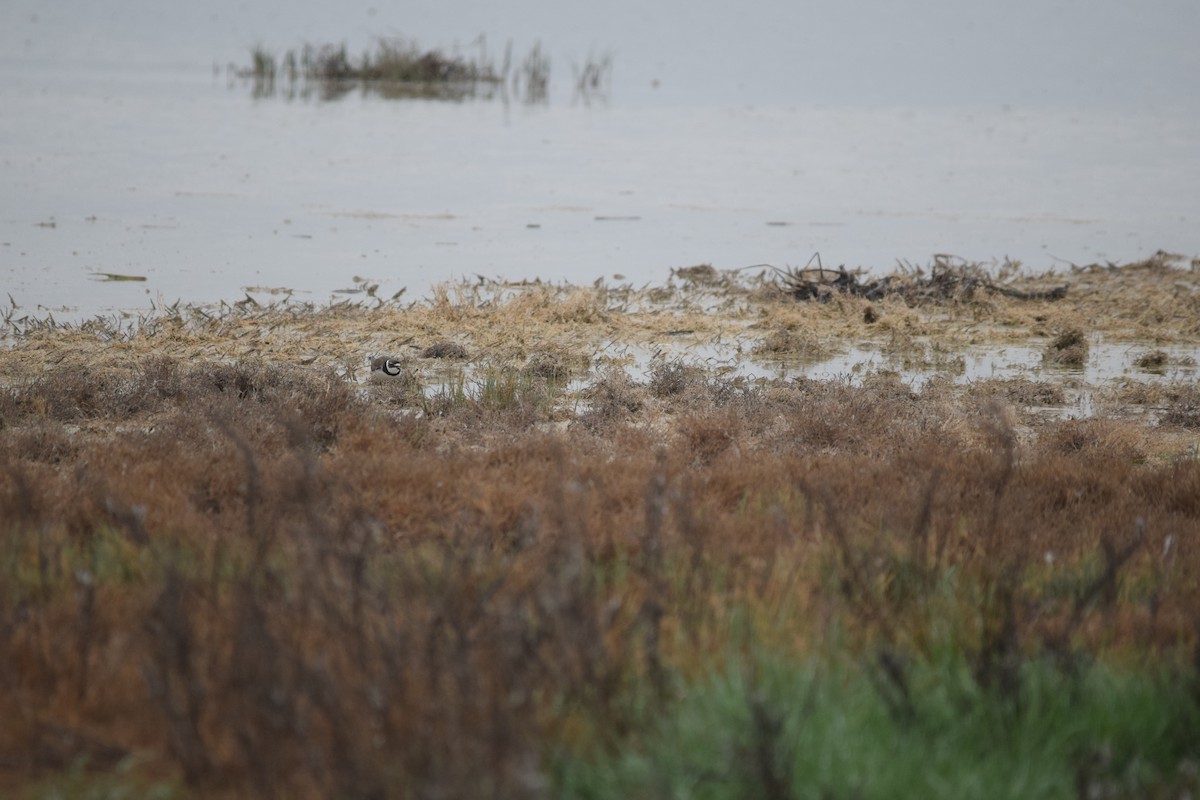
{"x": 260, "y": 580}
{"x": 1068, "y": 349}
{"x": 268, "y": 580}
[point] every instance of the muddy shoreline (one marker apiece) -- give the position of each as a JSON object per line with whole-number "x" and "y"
{"x": 1135, "y": 327}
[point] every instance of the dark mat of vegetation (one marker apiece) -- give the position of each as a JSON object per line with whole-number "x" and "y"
{"x": 253, "y": 581}
{"x": 945, "y": 282}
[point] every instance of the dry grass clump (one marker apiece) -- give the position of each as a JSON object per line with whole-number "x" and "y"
{"x": 404, "y": 390}
{"x": 445, "y": 349}
{"x": 1067, "y": 349}
{"x": 702, "y": 274}
{"x": 612, "y": 398}
{"x": 789, "y": 342}
{"x": 1152, "y": 360}
{"x": 549, "y": 367}
{"x": 262, "y": 585}
{"x": 1183, "y": 408}
{"x": 579, "y": 306}
{"x": 908, "y": 352}
{"x": 1100, "y": 437}
{"x": 671, "y": 378}
{"x": 1128, "y": 393}
{"x": 87, "y": 397}
{"x": 1020, "y": 391}
{"x": 41, "y": 440}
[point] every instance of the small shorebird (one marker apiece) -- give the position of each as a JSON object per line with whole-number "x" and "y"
{"x": 385, "y": 367}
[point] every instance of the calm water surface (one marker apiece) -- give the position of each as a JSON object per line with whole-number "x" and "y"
{"x": 728, "y": 136}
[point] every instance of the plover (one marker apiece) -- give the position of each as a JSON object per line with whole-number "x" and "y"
{"x": 385, "y": 367}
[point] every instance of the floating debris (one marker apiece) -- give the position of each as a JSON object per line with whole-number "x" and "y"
{"x": 116, "y": 276}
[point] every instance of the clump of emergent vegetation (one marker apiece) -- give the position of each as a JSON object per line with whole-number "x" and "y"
{"x": 227, "y": 577}
{"x": 400, "y": 68}
{"x": 1152, "y": 361}
{"x": 393, "y": 59}
{"x": 1067, "y": 349}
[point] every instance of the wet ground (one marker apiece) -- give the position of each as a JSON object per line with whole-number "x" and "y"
{"x": 1134, "y": 333}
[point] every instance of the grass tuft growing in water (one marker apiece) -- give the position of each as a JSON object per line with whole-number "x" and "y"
{"x": 398, "y": 67}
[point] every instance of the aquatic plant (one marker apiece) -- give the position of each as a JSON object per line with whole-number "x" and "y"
{"x": 398, "y": 67}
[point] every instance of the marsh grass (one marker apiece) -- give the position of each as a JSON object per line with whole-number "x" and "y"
{"x": 1183, "y": 408}
{"x": 265, "y": 584}
{"x": 532, "y": 76}
{"x": 227, "y": 577}
{"x": 1021, "y": 391}
{"x": 399, "y": 68}
{"x": 794, "y": 343}
{"x": 394, "y": 59}
{"x": 1152, "y": 361}
{"x": 594, "y": 75}
{"x": 1068, "y": 349}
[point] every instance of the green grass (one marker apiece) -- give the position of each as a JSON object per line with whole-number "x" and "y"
{"x": 78, "y": 783}
{"x": 778, "y": 728}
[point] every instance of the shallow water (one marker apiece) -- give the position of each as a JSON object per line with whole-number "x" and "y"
{"x": 1106, "y": 362}
{"x": 123, "y": 151}
{"x": 1107, "y": 365}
